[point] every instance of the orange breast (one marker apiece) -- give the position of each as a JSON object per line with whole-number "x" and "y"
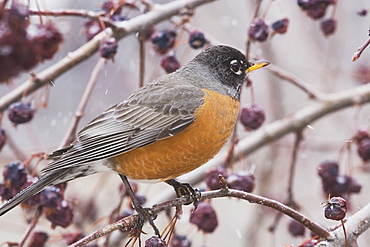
{"x": 187, "y": 150}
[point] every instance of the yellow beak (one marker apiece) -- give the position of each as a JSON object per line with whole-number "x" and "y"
{"x": 256, "y": 65}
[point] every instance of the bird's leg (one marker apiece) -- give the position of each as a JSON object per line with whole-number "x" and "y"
{"x": 145, "y": 213}
{"x": 185, "y": 190}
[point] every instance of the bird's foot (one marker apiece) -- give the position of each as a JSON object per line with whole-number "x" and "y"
{"x": 144, "y": 213}
{"x": 187, "y": 191}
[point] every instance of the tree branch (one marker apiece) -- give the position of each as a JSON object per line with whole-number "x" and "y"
{"x": 131, "y": 222}
{"x": 122, "y": 29}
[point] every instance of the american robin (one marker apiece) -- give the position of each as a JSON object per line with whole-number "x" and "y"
{"x": 165, "y": 129}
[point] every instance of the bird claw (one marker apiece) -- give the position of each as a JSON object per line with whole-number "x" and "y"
{"x": 149, "y": 215}
{"x": 187, "y": 191}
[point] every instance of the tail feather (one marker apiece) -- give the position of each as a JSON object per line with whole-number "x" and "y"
{"x": 51, "y": 178}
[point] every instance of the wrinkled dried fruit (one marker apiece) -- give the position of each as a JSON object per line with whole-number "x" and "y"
{"x": 354, "y": 186}
{"x": 15, "y": 178}
{"x": 328, "y": 171}
{"x": 252, "y": 117}
{"x": 205, "y": 217}
{"x": 296, "y": 229}
{"x": 342, "y": 185}
{"x": 20, "y": 112}
{"x": 315, "y": 8}
{"x": 155, "y": 241}
{"x": 258, "y": 30}
{"x": 360, "y": 135}
{"x": 45, "y": 39}
{"x": 163, "y": 41}
{"x": 51, "y": 197}
{"x": 38, "y": 239}
{"x": 362, "y": 12}
{"x": 241, "y": 181}
{"x": 328, "y": 26}
{"x": 180, "y": 241}
{"x": 336, "y": 208}
{"x": 363, "y": 149}
{"x": 15, "y": 175}
{"x": 17, "y": 16}
{"x": 91, "y": 28}
{"x": 108, "y": 48}
{"x": 280, "y": 26}
{"x": 196, "y": 39}
{"x": 170, "y": 63}
{"x": 62, "y": 215}
{"x": 212, "y": 178}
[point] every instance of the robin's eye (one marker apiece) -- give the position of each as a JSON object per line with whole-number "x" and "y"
{"x": 235, "y": 67}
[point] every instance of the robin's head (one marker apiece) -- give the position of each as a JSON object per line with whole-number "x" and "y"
{"x": 228, "y": 65}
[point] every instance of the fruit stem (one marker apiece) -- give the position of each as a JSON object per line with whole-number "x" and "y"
{"x": 345, "y": 234}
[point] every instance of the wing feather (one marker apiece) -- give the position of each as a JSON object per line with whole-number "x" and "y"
{"x": 151, "y": 114}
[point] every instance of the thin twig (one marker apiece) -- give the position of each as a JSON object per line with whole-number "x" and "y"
{"x": 31, "y": 226}
{"x": 255, "y": 14}
{"x": 290, "y": 201}
{"x": 312, "y": 92}
{"x": 141, "y": 61}
{"x": 69, "y": 12}
{"x": 71, "y": 133}
{"x": 360, "y": 50}
{"x": 293, "y": 162}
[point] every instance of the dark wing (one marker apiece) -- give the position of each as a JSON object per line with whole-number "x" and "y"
{"x": 152, "y": 113}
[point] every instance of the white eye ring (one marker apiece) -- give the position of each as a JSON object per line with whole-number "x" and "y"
{"x": 235, "y": 67}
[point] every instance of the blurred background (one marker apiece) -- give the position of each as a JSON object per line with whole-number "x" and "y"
{"x": 322, "y": 61}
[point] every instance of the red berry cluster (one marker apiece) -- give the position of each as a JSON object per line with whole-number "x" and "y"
{"x": 57, "y": 210}
{"x": 242, "y": 180}
{"x": 205, "y": 217}
{"x": 335, "y": 184}
{"x": 23, "y": 46}
{"x": 362, "y": 139}
{"x": 252, "y": 117}
{"x": 260, "y": 31}
{"x": 212, "y": 178}
{"x": 316, "y": 9}
{"x": 163, "y": 41}
{"x": 335, "y": 208}
{"x": 92, "y": 27}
